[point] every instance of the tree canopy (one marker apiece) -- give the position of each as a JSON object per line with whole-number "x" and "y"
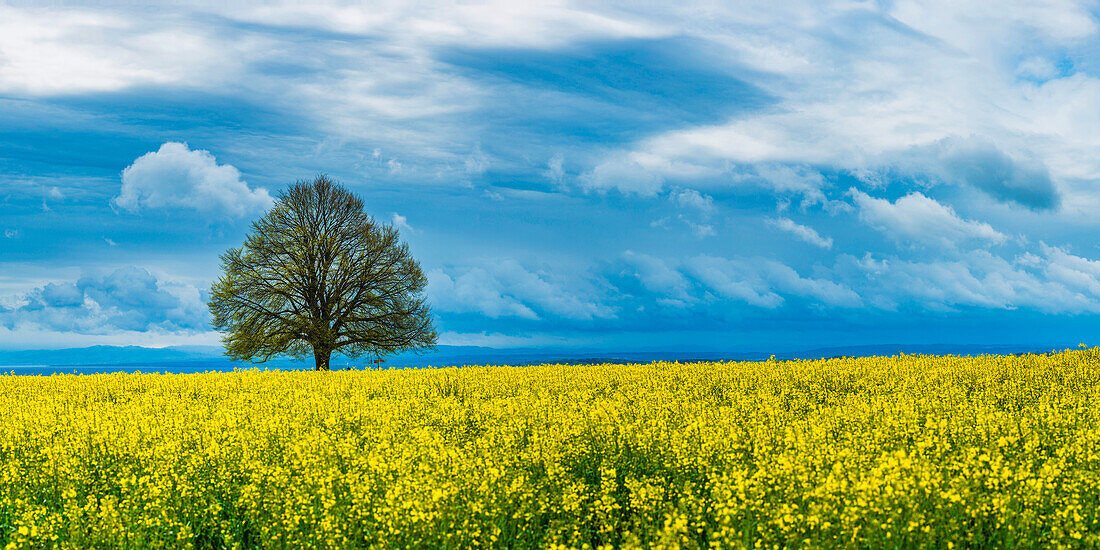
{"x": 318, "y": 275}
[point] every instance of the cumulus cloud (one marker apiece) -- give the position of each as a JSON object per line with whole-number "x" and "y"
{"x": 698, "y": 206}
{"x": 670, "y": 286}
{"x": 176, "y": 176}
{"x": 401, "y": 222}
{"x": 1051, "y": 281}
{"x": 787, "y": 180}
{"x": 475, "y": 291}
{"x": 802, "y": 232}
{"x": 1077, "y": 274}
{"x": 916, "y": 218}
{"x": 1048, "y": 279}
{"x": 762, "y": 282}
{"x": 729, "y": 280}
{"x": 508, "y": 289}
{"x": 555, "y": 169}
{"x": 690, "y": 198}
{"x": 550, "y": 295}
{"x": 627, "y": 175}
{"x": 758, "y": 282}
{"x": 127, "y": 299}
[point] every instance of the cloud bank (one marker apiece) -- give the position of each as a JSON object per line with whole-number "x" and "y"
{"x": 127, "y": 299}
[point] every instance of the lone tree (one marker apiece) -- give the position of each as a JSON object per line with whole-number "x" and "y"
{"x": 319, "y": 275}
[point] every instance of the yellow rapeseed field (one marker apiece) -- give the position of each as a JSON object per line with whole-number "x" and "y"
{"x": 906, "y": 451}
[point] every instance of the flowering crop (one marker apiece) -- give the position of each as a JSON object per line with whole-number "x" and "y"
{"x": 906, "y": 451}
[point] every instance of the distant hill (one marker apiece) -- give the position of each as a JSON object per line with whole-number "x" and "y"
{"x": 210, "y": 358}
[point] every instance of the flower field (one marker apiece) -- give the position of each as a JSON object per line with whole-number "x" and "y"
{"x": 906, "y": 451}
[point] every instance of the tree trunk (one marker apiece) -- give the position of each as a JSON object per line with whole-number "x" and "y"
{"x": 320, "y": 358}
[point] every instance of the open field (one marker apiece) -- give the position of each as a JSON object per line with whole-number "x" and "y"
{"x": 993, "y": 451}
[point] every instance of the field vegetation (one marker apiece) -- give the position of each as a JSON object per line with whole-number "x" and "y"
{"x": 897, "y": 452}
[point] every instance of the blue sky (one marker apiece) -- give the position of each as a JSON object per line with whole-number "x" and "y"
{"x": 680, "y": 176}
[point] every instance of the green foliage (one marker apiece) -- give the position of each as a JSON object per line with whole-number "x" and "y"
{"x": 318, "y": 275}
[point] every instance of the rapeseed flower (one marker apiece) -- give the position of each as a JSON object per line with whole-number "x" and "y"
{"x": 905, "y": 451}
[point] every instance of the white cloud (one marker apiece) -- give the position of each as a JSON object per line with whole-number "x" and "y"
{"x": 1049, "y": 279}
{"x": 401, "y": 222}
{"x": 1037, "y": 68}
{"x": 1077, "y": 274}
{"x": 641, "y": 173}
{"x": 964, "y": 25}
{"x": 508, "y": 289}
{"x": 379, "y": 80}
{"x": 802, "y": 232}
{"x": 762, "y": 282}
{"x": 700, "y": 230}
{"x": 657, "y": 277}
{"x": 475, "y": 291}
{"x": 555, "y": 169}
{"x": 34, "y": 337}
{"x": 627, "y": 175}
{"x": 493, "y": 23}
{"x": 730, "y": 281}
{"x": 907, "y": 75}
{"x": 11, "y": 233}
{"x": 916, "y": 218}
{"x": 690, "y": 198}
{"x": 176, "y": 176}
{"x": 477, "y": 162}
{"x": 549, "y": 293}
{"x": 127, "y": 299}
{"x": 499, "y": 340}
{"x": 74, "y": 50}
{"x": 1053, "y": 281}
